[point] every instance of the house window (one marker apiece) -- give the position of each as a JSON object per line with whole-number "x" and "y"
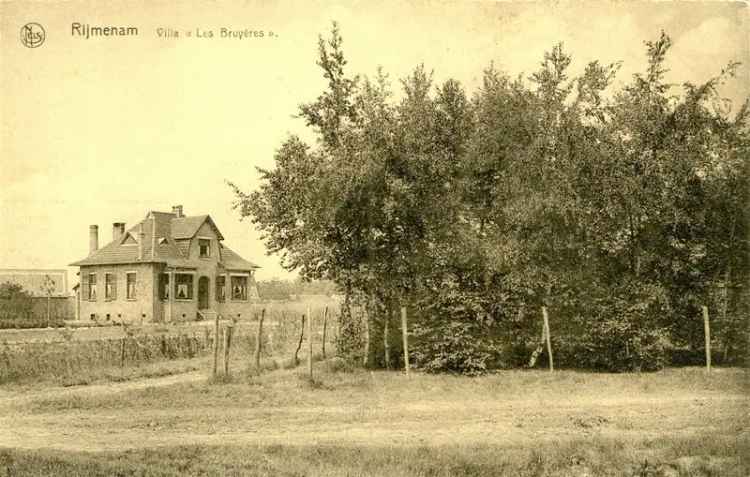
{"x": 183, "y": 286}
{"x": 92, "y": 286}
{"x": 110, "y": 286}
{"x": 239, "y": 288}
{"x": 164, "y": 286}
{"x": 204, "y": 248}
{"x": 131, "y": 278}
{"x": 221, "y": 288}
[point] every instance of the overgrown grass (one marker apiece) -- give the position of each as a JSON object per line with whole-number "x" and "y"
{"x": 74, "y": 362}
{"x": 695, "y": 456}
{"x": 354, "y": 422}
{"x": 81, "y": 362}
{"x": 283, "y": 387}
{"x": 283, "y": 325}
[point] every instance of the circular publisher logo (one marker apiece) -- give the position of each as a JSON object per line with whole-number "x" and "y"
{"x": 32, "y": 35}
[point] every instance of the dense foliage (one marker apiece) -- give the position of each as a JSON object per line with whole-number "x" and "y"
{"x": 621, "y": 211}
{"x": 15, "y": 304}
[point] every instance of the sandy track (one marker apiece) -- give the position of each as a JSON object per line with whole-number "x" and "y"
{"x": 19, "y": 397}
{"x": 420, "y": 422}
{"x": 391, "y": 411}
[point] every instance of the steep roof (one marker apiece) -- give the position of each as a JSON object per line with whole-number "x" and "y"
{"x": 164, "y": 241}
{"x": 187, "y": 227}
{"x": 231, "y": 261}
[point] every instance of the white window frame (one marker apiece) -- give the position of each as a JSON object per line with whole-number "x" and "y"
{"x": 113, "y": 295}
{"x": 199, "y": 247}
{"x": 247, "y": 287}
{"x": 174, "y": 286}
{"x": 89, "y": 297}
{"x": 135, "y": 286}
{"x": 216, "y": 288}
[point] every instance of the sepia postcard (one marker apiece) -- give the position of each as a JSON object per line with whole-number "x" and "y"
{"x": 374, "y": 238}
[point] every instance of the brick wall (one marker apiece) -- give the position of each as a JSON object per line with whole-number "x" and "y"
{"x": 120, "y": 309}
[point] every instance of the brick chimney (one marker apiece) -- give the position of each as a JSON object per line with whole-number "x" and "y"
{"x": 177, "y": 210}
{"x": 93, "y": 238}
{"x": 153, "y": 236}
{"x": 141, "y": 239}
{"x": 118, "y": 229}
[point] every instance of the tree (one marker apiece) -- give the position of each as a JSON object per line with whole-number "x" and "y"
{"x": 15, "y": 305}
{"x": 48, "y": 288}
{"x": 621, "y": 210}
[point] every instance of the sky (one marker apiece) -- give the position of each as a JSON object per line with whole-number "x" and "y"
{"x": 102, "y": 130}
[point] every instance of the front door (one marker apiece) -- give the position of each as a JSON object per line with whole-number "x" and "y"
{"x": 202, "y": 293}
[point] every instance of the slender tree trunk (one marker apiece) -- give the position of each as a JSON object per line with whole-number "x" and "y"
{"x": 405, "y": 331}
{"x": 707, "y": 335}
{"x": 539, "y": 349}
{"x": 386, "y": 342}
{"x": 366, "y": 357}
{"x": 725, "y": 308}
{"x": 725, "y": 292}
{"x": 547, "y": 334}
{"x": 635, "y": 259}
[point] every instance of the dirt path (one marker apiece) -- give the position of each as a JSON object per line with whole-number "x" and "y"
{"x": 418, "y": 424}
{"x": 396, "y": 412}
{"x": 18, "y": 398}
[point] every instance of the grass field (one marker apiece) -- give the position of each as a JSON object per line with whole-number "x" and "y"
{"x": 678, "y": 422}
{"x": 89, "y": 355}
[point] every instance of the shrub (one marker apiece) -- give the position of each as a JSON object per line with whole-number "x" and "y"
{"x": 457, "y": 331}
{"x": 454, "y": 346}
{"x": 620, "y": 331}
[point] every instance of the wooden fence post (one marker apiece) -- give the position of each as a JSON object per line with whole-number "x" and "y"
{"x": 227, "y": 344}
{"x": 406, "y": 339}
{"x": 122, "y": 352}
{"x": 547, "y": 334}
{"x": 216, "y": 346}
{"x": 707, "y": 332}
{"x": 259, "y": 340}
{"x": 299, "y": 344}
{"x": 309, "y": 343}
{"x": 325, "y": 326}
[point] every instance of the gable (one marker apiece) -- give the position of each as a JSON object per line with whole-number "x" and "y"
{"x": 167, "y": 239}
{"x": 187, "y": 227}
{"x": 206, "y": 231}
{"x": 129, "y": 240}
